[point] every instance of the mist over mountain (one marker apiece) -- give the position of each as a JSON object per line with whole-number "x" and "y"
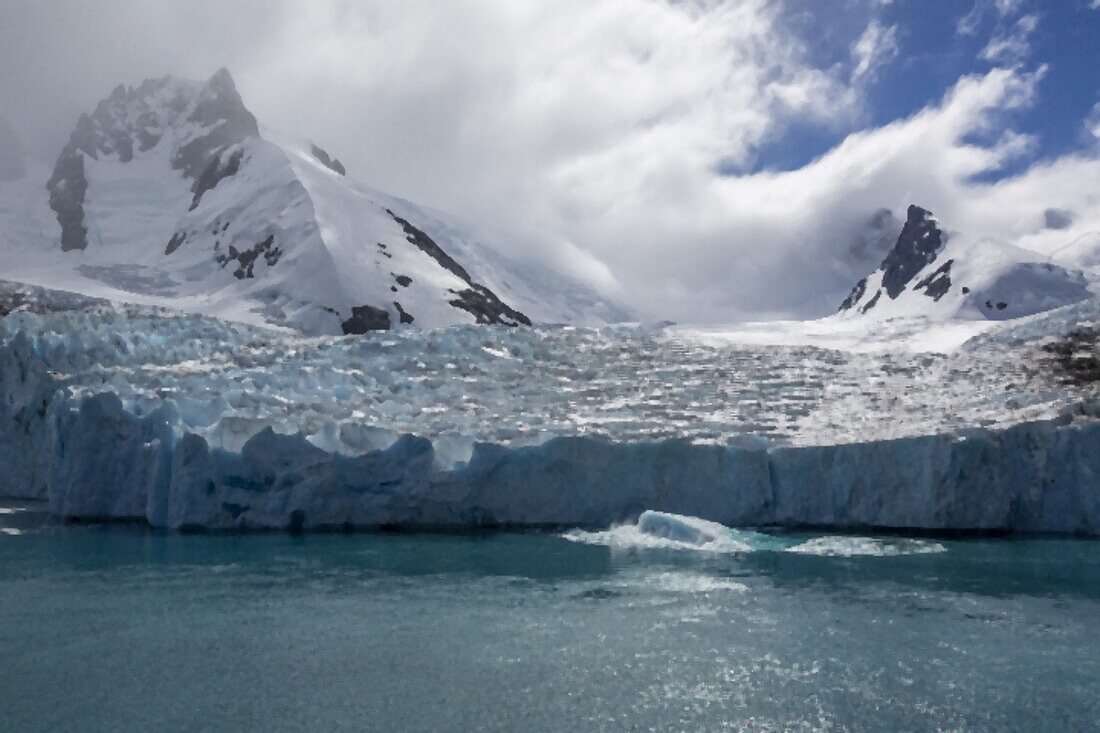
{"x": 13, "y": 164}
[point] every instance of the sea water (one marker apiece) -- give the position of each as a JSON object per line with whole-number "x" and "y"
{"x": 121, "y": 628}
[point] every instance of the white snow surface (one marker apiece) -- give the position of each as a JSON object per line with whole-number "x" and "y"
{"x": 189, "y": 421}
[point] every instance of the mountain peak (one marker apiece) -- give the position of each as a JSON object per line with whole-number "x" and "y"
{"x": 221, "y": 79}
{"x": 918, "y": 244}
{"x": 973, "y": 279}
{"x": 208, "y": 118}
{"x": 915, "y": 214}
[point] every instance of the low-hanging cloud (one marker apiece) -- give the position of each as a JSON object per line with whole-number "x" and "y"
{"x": 613, "y": 139}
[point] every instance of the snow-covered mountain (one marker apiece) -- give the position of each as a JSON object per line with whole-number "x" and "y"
{"x": 172, "y": 193}
{"x": 928, "y": 273}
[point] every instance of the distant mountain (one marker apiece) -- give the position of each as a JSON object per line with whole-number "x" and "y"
{"x": 926, "y": 273}
{"x": 174, "y": 193}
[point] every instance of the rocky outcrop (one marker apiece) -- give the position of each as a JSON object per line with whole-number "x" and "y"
{"x": 937, "y": 283}
{"x": 221, "y": 166}
{"x": 477, "y": 299}
{"x": 246, "y": 259}
{"x": 224, "y": 120}
{"x": 366, "y": 318}
{"x": 918, "y": 244}
{"x": 333, "y": 164}
{"x": 68, "y": 186}
{"x": 134, "y": 119}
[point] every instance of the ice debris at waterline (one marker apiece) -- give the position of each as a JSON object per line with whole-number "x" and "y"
{"x": 665, "y": 531}
{"x": 186, "y": 421}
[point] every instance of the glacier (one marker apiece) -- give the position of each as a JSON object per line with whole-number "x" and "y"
{"x": 184, "y": 421}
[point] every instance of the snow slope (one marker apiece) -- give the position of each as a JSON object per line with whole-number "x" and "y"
{"x": 929, "y": 274}
{"x": 171, "y": 193}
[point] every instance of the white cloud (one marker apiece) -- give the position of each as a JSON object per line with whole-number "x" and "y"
{"x": 592, "y": 131}
{"x": 1092, "y": 122}
{"x": 967, "y": 25}
{"x": 1011, "y": 45}
{"x": 563, "y": 120}
{"x": 1008, "y": 7}
{"x": 875, "y": 46}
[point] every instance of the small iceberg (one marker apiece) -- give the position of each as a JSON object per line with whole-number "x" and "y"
{"x": 663, "y": 530}
{"x": 680, "y": 528}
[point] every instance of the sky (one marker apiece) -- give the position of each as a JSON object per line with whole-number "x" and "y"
{"x": 699, "y": 160}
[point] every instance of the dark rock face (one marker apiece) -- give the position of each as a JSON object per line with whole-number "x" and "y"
{"x": 477, "y": 299}
{"x": 403, "y": 280}
{"x": 68, "y": 186}
{"x": 403, "y": 316}
{"x": 854, "y": 296}
{"x": 175, "y": 242}
{"x": 366, "y": 318}
{"x": 487, "y": 308}
{"x": 333, "y": 164}
{"x": 134, "y": 118}
{"x": 873, "y": 301}
{"x": 214, "y": 173}
{"x": 428, "y": 246}
{"x": 918, "y": 245}
{"x": 246, "y": 259}
{"x": 222, "y": 112}
{"x": 937, "y": 284}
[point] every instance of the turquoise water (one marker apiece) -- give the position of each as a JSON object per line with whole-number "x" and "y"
{"x": 118, "y": 628}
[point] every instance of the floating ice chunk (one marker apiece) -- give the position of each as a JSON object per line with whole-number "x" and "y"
{"x": 662, "y": 530}
{"x": 676, "y": 527}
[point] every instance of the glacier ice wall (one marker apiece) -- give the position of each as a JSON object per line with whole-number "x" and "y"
{"x": 93, "y": 458}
